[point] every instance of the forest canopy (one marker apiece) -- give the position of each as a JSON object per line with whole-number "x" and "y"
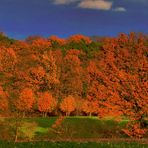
{"x": 80, "y": 75}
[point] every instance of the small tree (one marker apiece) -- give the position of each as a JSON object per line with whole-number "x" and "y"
{"x": 68, "y": 105}
{"x": 46, "y": 103}
{"x": 90, "y": 107}
{"x": 26, "y": 100}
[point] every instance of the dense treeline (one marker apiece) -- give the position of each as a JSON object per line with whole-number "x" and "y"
{"x": 76, "y": 76}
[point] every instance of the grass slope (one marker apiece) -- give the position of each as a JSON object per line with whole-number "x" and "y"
{"x": 72, "y": 128}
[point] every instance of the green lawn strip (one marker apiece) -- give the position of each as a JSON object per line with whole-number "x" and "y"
{"x": 30, "y": 127}
{"x": 42, "y": 126}
{"x": 72, "y": 127}
{"x": 43, "y": 122}
{"x": 70, "y": 145}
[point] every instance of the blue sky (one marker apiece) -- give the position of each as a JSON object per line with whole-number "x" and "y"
{"x": 21, "y": 18}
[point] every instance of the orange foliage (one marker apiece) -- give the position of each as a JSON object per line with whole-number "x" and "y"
{"x": 3, "y": 100}
{"x": 46, "y": 102}
{"x": 123, "y": 72}
{"x": 49, "y": 63}
{"x": 41, "y": 43}
{"x": 134, "y": 130}
{"x": 36, "y": 76}
{"x": 113, "y": 80}
{"x": 68, "y": 105}
{"x": 79, "y": 38}
{"x": 7, "y": 64}
{"x": 26, "y": 100}
{"x": 58, "y": 122}
{"x": 90, "y": 107}
{"x": 71, "y": 74}
{"x": 55, "y": 39}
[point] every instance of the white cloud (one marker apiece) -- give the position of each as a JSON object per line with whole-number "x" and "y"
{"x": 120, "y": 9}
{"x": 91, "y": 4}
{"x": 96, "y": 4}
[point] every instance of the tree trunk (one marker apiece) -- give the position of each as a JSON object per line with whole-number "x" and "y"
{"x": 16, "y": 134}
{"x": 67, "y": 113}
{"x": 90, "y": 114}
{"x": 23, "y": 114}
{"x": 45, "y": 114}
{"x": 16, "y": 130}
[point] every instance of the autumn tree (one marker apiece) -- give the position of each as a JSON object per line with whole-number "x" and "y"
{"x": 79, "y": 38}
{"x": 25, "y": 101}
{"x": 68, "y": 105}
{"x": 79, "y": 104}
{"x": 3, "y": 100}
{"x": 30, "y": 39}
{"x": 79, "y": 42}
{"x": 90, "y": 107}
{"x": 46, "y": 103}
{"x": 7, "y": 64}
{"x": 36, "y": 76}
{"x": 26, "y": 60}
{"x": 71, "y": 74}
{"x": 56, "y": 41}
{"x": 110, "y": 77}
{"x": 98, "y": 93}
{"x": 40, "y": 71}
{"x": 49, "y": 64}
{"x": 57, "y": 89}
{"x": 123, "y": 70}
{"x": 41, "y": 44}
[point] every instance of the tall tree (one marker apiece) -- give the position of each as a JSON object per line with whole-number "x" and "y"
{"x": 123, "y": 69}
{"x": 71, "y": 74}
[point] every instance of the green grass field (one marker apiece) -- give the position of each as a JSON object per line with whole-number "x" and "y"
{"x": 71, "y": 127}
{"x": 70, "y": 145}
{"x": 82, "y": 130}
